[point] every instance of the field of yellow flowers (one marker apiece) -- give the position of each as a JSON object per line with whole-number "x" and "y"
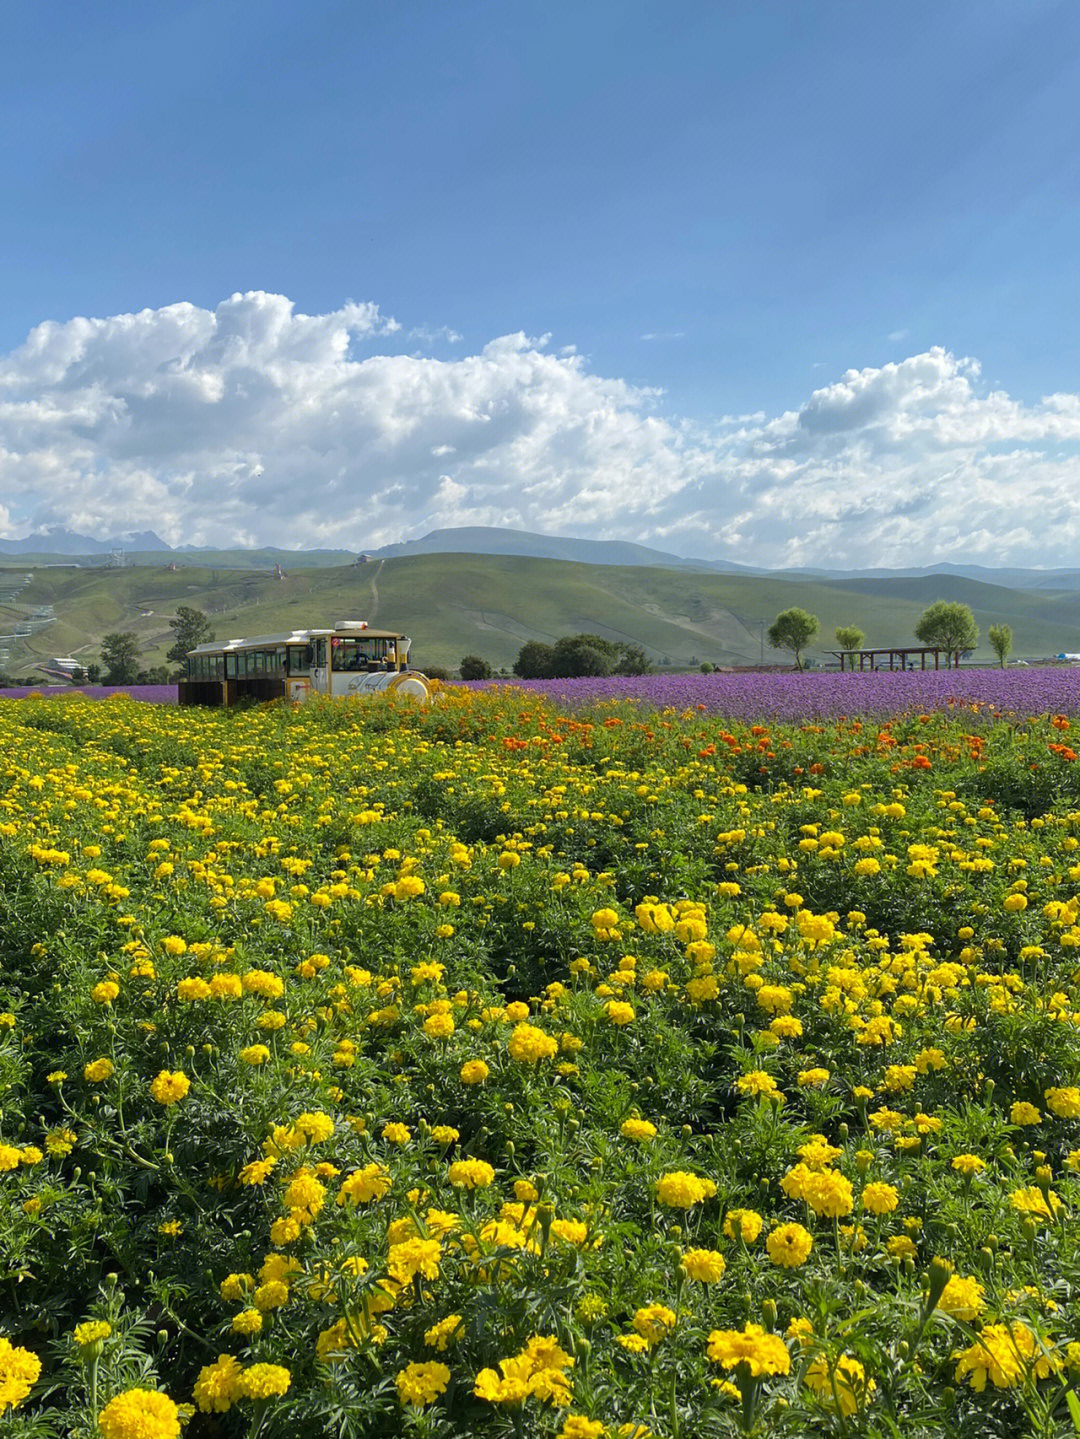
{"x": 492, "y": 1070}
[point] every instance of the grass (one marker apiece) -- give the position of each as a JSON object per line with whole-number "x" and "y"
{"x": 490, "y": 605}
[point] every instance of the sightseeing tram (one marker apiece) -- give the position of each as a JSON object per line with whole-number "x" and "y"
{"x": 349, "y": 658}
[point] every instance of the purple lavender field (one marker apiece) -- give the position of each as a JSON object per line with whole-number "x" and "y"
{"x": 815, "y": 696}
{"x": 153, "y": 694}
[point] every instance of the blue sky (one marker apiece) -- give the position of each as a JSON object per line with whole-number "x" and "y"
{"x": 733, "y": 203}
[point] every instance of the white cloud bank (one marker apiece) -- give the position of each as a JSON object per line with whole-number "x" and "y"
{"x": 252, "y": 424}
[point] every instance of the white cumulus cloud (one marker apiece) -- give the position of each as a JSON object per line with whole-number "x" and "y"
{"x": 254, "y": 424}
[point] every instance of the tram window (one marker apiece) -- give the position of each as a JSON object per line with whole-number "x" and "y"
{"x": 299, "y": 659}
{"x": 320, "y": 654}
{"x": 231, "y": 667}
{"x": 217, "y": 667}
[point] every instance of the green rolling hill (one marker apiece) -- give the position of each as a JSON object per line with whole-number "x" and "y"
{"x": 457, "y": 604}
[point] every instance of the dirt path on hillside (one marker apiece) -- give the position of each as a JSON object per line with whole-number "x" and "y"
{"x": 375, "y": 593}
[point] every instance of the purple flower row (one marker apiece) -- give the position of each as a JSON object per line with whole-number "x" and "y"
{"x": 796, "y": 697}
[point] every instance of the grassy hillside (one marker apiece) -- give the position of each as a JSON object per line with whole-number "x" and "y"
{"x": 491, "y": 604}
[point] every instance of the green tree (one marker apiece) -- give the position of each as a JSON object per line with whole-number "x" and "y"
{"x": 474, "y": 668}
{"x": 120, "y": 657}
{"x": 1000, "y": 637}
{"x": 535, "y": 661}
{"x": 93, "y": 674}
{"x": 849, "y": 637}
{"x": 584, "y": 655}
{"x": 190, "y": 628}
{"x": 948, "y": 625}
{"x": 793, "y": 630}
{"x": 632, "y": 661}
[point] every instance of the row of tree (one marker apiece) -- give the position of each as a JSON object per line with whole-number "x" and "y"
{"x": 945, "y": 625}
{"x": 575, "y": 655}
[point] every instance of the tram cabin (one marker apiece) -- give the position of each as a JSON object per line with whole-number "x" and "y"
{"x": 348, "y": 658}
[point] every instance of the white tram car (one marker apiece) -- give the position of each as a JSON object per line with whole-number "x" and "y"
{"x": 349, "y": 658}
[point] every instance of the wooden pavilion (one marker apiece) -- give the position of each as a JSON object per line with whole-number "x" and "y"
{"x": 901, "y": 658}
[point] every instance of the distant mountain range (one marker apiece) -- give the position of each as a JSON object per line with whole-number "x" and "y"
{"x": 59, "y": 541}
{"x": 145, "y": 547}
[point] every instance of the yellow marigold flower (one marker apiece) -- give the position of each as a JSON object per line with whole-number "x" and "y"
{"x": 812, "y": 1078}
{"x": 234, "y": 1287}
{"x": 19, "y": 1372}
{"x": 99, "y": 1070}
{"x": 264, "y": 1381}
{"x": 409, "y": 887}
{"x": 255, "y": 1054}
{"x": 653, "y": 1322}
{"x": 226, "y": 986}
{"x": 962, "y": 1298}
{"x": 439, "y": 1026}
{"x": 762, "y": 1353}
{"x": 840, "y": 1385}
{"x": 193, "y": 989}
{"x": 1014, "y": 903}
{"x": 745, "y": 1224}
{"x": 1005, "y": 1355}
{"x": 577, "y": 1426}
{"x": 632, "y": 1343}
{"x": 248, "y": 1321}
{"x": 173, "y": 944}
{"x": 91, "y": 1331}
{"x": 444, "y": 1134}
{"x": 789, "y": 1245}
{"x": 140, "y": 1414}
{"x": 257, "y": 1171}
{"x": 802, "y": 1331}
{"x": 105, "y": 992}
{"x": 705, "y": 1265}
{"x": 414, "y": 1256}
{"x": 474, "y": 1071}
{"x": 271, "y": 1295}
{"x": 680, "y": 1190}
{"x": 880, "y": 1198}
{"x": 637, "y": 1129}
{"x": 440, "y": 1335}
{"x": 315, "y": 1127}
{"x": 395, "y": 1133}
{"x": 217, "y": 1387}
{"x": 1032, "y": 1202}
{"x": 1023, "y": 1113}
{"x": 619, "y": 1012}
{"x": 901, "y": 1247}
{"x": 968, "y": 1164}
{"x": 529, "y": 1045}
{"x": 262, "y": 983}
{"x": 757, "y": 1083}
{"x": 786, "y": 1026}
{"x": 9, "y": 1158}
{"x": 170, "y": 1086}
{"x": 419, "y": 1384}
{"x": 363, "y": 1185}
{"x": 470, "y": 1174}
{"x": 1065, "y": 1103}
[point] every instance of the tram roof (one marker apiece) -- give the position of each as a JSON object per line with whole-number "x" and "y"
{"x": 351, "y": 631}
